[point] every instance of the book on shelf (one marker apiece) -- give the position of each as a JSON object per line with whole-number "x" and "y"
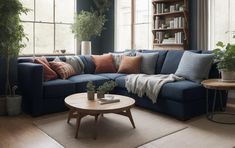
{"x": 108, "y": 99}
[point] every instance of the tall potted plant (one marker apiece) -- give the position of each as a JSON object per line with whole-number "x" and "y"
{"x": 87, "y": 25}
{"x": 225, "y": 56}
{"x": 11, "y": 36}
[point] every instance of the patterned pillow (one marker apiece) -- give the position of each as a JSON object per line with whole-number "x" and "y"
{"x": 130, "y": 65}
{"x": 64, "y": 70}
{"x": 49, "y": 74}
{"x": 117, "y": 57}
{"x": 104, "y": 63}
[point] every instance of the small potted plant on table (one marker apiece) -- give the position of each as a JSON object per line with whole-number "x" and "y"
{"x": 105, "y": 88}
{"x": 90, "y": 90}
{"x": 225, "y": 56}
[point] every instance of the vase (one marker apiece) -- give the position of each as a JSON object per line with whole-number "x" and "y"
{"x": 14, "y": 105}
{"x": 86, "y": 48}
{"x": 3, "y": 110}
{"x": 227, "y": 75}
{"x": 90, "y": 95}
{"x": 100, "y": 94}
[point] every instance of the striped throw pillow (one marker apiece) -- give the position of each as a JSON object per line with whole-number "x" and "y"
{"x": 64, "y": 70}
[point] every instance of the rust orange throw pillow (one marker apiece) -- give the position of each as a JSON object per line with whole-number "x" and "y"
{"x": 130, "y": 65}
{"x": 64, "y": 70}
{"x": 49, "y": 74}
{"x": 104, "y": 63}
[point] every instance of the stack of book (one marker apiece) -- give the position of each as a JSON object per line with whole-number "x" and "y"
{"x": 108, "y": 99}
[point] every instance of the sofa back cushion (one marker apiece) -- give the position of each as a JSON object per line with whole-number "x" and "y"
{"x": 172, "y": 61}
{"x": 149, "y": 61}
{"x": 64, "y": 70}
{"x": 49, "y": 74}
{"x": 214, "y": 72}
{"x": 104, "y": 63}
{"x": 194, "y": 66}
{"x": 89, "y": 65}
{"x": 130, "y": 65}
{"x": 160, "y": 59}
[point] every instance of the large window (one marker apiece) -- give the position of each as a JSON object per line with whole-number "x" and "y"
{"x": 222, "y": 21}
{"x": 47, "y": 26}
{"x": 133, "y": 24}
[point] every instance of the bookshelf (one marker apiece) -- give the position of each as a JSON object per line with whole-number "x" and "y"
{"x": 170, "y": 24}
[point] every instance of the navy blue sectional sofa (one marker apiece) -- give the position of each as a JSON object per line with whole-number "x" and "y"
{"x": 183, "y": 99}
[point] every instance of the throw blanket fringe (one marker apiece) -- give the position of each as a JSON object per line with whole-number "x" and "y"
{"x": 150, "y": 85}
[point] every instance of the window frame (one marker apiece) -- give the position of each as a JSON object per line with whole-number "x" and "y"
{"x": 132, "y": 25}
{"x": 54, "y": 23}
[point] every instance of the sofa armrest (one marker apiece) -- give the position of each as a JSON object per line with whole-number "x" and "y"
{"x": 30, "y": 81}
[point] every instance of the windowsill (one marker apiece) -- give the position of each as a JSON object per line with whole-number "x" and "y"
{"x": 56, "y": 54}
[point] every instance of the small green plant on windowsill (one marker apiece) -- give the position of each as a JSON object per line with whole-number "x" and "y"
{"x": 105, "y": 88}
{"x": 90, "y": 90}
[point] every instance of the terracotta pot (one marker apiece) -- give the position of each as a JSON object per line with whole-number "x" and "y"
{"x": 90, "y": 95}
{"x": 100, "y": 94}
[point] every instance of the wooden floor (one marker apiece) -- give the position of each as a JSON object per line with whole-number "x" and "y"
{"x": 20, "y": 132}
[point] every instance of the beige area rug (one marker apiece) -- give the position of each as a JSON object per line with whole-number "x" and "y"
{"x": 114, "y": 131}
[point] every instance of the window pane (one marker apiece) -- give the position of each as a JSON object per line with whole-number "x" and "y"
{"x": 123, "y": 25}
{"x": 123, "y": 38}
{"x": 141, "y": 37}
{"x": 64, "y": 11}
{"x": 219, "y": 24}
{"x": 28, "y": 29}
{"x": 44, "y": 10}
{"x": 30, "y": 15}
{"x": 142, "y": 11}
{"x": 232, "y": 21}
{"x": 44, "y": 41}
{"x": 64, "y": 38}
{"x": 123, "y": 11}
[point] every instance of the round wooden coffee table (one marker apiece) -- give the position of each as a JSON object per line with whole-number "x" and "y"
{"x": 218, "y": 86}
{"x": 80, "y": 107}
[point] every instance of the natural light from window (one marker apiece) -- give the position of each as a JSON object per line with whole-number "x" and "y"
{"x": 133, "y": 24}
{"x": 47, "y": 26}
{"x": 222, "y": 20}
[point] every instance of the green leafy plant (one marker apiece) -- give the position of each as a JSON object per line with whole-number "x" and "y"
{"x": 90, "y": 86}
{"x": 107, "y": 86}
{"x": 102, "y": 5}
{"x": 225, "y": 56}
{"x": 88, "y": 24}
{"x": 11, "y": 35}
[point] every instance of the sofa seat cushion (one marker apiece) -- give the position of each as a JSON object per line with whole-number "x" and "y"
{"x": 80, "y": 81}
{"x": 182, "y": 91}
{"x": 112, "y": 76}
{"x": 58, "y": 88}
{"x": 121, "y": 81}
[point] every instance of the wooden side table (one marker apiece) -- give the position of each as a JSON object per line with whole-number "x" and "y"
{"x": 218, "y": 86}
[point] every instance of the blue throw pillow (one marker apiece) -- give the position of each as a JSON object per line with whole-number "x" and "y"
{"x": 148, "y": 63}
{"x": 194, "y": 66}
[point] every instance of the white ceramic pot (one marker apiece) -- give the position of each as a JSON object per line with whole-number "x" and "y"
{"x": 14, "y": 105}
{"x": 227, "y": 75}
{"x": 86, "y": 48}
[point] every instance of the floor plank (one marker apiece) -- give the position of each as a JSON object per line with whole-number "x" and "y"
{"x": 20, "y": 132}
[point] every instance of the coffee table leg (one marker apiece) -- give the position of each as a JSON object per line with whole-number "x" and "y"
{"x": 96, "y": 122}
{"x": 69, "y": 116}
{"x": 128, "y": 111}
{"x": 79, "y": 117}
